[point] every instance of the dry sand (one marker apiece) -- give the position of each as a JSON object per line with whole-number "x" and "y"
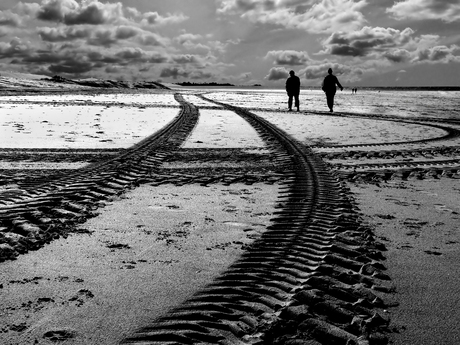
{"x": 142, "y": 255}
{"x": 156, "y": 246}
{"x": 419, "y": 223}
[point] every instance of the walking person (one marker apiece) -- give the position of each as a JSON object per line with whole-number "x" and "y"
{"x": 329, "y": 83}
{"x": 293, "y": 90}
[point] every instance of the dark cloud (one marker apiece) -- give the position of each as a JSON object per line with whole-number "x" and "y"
{"x": 15, "y": 48}
{"x": 94, "y": 14}
{"x": 71, "y": 12}
{"x": 174, "y": 72}
{"x": 71, "y": 66}
{"x": 345, "y": 50}
{"x": 103, "y": 37}
{"x": 98, "y": 57}
{"x": 185, "y": 59}
{"x": 201, "y": 75}
{"x": 41, "y": 58}
{"x": 157, "y": 58}
{"x": 131, "y": 54}
{"x": 110, "y": 36}
{"x": 54, "y": 11}
{"x": 126, "y": 32}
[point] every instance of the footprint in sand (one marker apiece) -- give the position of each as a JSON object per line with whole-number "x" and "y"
{"x": 442, "y": 208}
{"x": 58, "y": 335}
{"x": 431, "y": 252}
{"x": 81, "y": 297}
{"x": 429, "y": 193}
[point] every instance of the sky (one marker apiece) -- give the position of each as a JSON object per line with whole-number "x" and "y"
{"x": 242, "y": 42}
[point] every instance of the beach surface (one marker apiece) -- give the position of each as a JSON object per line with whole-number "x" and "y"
{"x": 151, "y": 246}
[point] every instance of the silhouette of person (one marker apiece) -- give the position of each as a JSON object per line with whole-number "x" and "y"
{"x": 329, "y": 88}
{"x": 293, "y": 90}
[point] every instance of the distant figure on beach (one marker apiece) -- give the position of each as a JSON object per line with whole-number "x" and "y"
{"x": 329, "y": 88}
{"x": 293, "y": 90}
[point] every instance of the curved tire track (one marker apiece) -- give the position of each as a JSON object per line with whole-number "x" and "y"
{"x": 419, "y": 163}
{"x": 312, "y": 275}
{"x": 48, "y": 208}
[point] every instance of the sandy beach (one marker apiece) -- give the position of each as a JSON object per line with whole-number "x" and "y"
{"x": 131, "y": 243}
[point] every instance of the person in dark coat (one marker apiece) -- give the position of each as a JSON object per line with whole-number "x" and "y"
{"x": 293, "y": 90}
{"x": 329, "y": 83}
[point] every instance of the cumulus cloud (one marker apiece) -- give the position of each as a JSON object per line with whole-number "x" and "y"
{"x": 104, "y": 37}
{"x": 15, "y": 48}
{"x": 394, "y": 45}
{"x": 94, "y": 12}
{"x": 446, "y": 10}
{"x": 8, "y": 18}
{"x": 91, "y": 37}
{"x": 316, "y": 16}
{"x": 186, "y": 59}
{"x": 192, "y": 42}
{"x": 288, "y": 57}
{"x": 397, "y": 55}
{"x": 319, "y": 71}
{"x": 367, "y": 40}
{"x": 277, "y": 73}
{"x": 71, "y": 12}
{"x": 63, "y": 34}
{"x": 152, "y": 39}
{"x": 186, "y": 37}
{"x": 438, "y": 54}
{"x": 154, "y": 18}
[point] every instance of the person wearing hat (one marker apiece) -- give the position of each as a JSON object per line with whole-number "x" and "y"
{"x": 293, "y": 90}
{"x": 329, "y": 83}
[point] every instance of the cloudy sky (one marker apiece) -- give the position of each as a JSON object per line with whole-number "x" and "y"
{"x": 244, "y": 42}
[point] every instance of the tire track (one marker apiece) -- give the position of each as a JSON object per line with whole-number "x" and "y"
{"x": 440, "y": 157}
{"x": 47, "y": 208}
{"x": 313, "y": 275}
{"x": 451, "y": 133}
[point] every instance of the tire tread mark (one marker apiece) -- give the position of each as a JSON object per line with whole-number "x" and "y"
{"x": 312, "y": 205}
{"x": 66, "y": 201}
